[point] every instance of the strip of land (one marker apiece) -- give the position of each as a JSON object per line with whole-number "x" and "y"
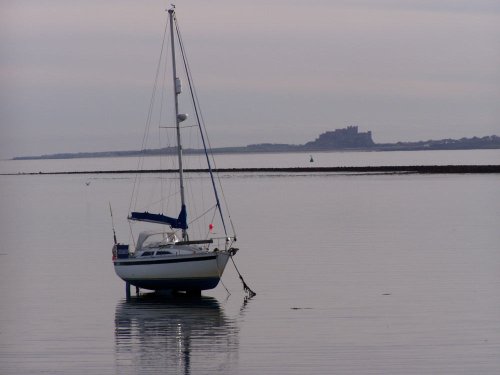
{"x": 347, "y": 139}
{"x": 421, "y": 169}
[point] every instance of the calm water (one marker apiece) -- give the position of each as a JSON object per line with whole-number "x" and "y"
{"x": 275, "y": 160}
{"x": 355, "y": 274}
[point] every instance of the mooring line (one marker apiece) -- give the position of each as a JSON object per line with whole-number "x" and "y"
{"x": 246, "y": 288}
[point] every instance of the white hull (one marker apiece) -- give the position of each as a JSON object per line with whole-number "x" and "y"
{"x": 198, "y": 271}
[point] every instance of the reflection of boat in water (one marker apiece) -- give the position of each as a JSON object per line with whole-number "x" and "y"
{"x": 173, "y": 335}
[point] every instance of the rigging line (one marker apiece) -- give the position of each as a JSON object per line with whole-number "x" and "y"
{"x": 204, "y": 133}
{"x": 203, "y": 214}
{"x": 160, "y": 201}
{"x": 169, "y": 161}
{"x": 148, "y": 120}
{"x": 175, "y": 127}
{"x": 226, "y": 205}
{"x": 195, "y": 104}
{"x": 210, "y": 223}
{"x": 112, "y": 223}
{"x": 161, "y": 159}
{"x": 201, "y": 124}
{"x": 144, "y": 140}
{"x": 213, "y": 217}
{"x": 162, "y": 184}
{"x": 224, "y": 285}
{"x": 131, "y": 233}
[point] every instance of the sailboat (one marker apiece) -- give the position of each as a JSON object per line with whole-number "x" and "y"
{"x": 169, "y": 257}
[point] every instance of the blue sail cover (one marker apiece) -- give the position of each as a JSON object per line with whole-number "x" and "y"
{"x": 180, "y": 222}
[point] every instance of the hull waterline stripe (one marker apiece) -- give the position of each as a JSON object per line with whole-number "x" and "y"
{"x": 162, "y": 261}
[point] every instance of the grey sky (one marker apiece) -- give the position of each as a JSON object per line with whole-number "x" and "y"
{"x": 77, "y": 75}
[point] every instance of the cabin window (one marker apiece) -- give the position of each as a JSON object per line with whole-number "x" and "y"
{"x": 147, "y": 253}
{"x": 163, "y": 252}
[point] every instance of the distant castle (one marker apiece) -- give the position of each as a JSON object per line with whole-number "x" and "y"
{"x": 342, "y": 139}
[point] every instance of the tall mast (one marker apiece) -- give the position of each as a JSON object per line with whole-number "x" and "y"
{"x": 178, "y": 118}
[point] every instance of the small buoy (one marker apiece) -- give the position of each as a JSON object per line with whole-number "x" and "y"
{"x": 211, "y": 227}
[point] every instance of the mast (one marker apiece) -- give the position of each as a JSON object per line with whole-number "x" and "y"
{"x": 178, "y": 117}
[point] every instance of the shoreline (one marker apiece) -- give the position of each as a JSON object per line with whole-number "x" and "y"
{"x": 247, "y": 150}
{"x": 418, "y": 169}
